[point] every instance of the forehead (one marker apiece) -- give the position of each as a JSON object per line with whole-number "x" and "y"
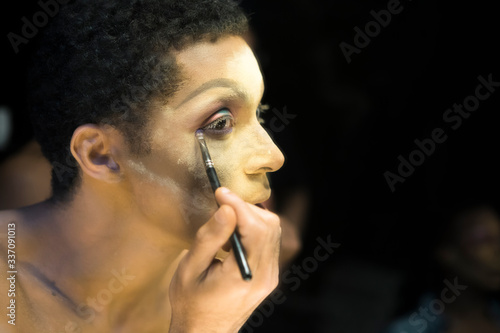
{"x": 228, "y": 62}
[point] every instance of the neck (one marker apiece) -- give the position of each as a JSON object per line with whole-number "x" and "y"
{"x": 105, "y": 259}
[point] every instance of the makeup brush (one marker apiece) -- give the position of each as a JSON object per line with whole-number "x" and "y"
{"x": 239, "y": 251}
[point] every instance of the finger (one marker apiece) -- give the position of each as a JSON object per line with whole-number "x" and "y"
{"x": 259, "y": 229}
{"x": 227, "y": 246}
{"x": 209, "y": 240}
{"x": 225, "y": 196}
{"x": 249, "y": 224}
{"x": 244, "y": 211}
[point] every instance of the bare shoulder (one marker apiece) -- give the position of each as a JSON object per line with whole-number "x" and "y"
{"x": 8, "y": 256}
{"x": 14, "y": 230}
{"x": 16, "y": 289}
{"x": 5, "y": 327}
{"x": 8, "y": 215}
{"x": 9, "y": 220}
{"x": 9, "y": 225}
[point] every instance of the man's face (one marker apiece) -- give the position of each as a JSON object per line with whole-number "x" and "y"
{"x": 477, "y": 249}
{"x": 221, "y": 93}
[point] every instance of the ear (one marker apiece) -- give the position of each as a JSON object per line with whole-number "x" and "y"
{"x": 94, "y": 148}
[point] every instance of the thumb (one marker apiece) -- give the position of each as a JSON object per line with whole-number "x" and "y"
{"x": 209, "y": 240}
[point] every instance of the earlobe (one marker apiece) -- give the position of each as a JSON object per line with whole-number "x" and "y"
{"x": 92, "y": 147}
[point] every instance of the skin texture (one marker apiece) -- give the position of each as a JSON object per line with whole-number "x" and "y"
{"x": 241, "y": 158}
{"x": 145, "y": 217}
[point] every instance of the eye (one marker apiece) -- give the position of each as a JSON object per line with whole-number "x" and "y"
{"x": 222, "y": 125}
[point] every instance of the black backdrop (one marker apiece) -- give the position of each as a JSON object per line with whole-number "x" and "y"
{"x": 352, "y": 121}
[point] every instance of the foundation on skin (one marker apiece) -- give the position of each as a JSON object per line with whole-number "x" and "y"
{"x": 239, "y": 251}
{"x": 194, "y": 203}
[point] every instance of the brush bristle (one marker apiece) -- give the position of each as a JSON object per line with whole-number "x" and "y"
{"x": 199, "y": 134}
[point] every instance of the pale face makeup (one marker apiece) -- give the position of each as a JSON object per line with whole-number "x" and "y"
{"x": 221, "y": 93}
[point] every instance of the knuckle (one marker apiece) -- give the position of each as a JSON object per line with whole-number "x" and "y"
{"x": 273, "y": 282}
{"x": 270, "y": 286}
{"x": 273, "y": 219}
{"x": 278, "y": 231}
{"x": 256, "y": 223}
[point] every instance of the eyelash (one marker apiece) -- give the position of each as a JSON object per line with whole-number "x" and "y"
{"x": 212, "y": 127}
{"x": 223, "y": 120}
{"x": 261, "y": 109}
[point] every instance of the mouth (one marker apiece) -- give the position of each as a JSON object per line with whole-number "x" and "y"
{"x": 260, "y": 199}
{"x": 257, "y": 197}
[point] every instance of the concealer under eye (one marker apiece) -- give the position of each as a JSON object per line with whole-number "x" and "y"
{"x": 222, "y": 123}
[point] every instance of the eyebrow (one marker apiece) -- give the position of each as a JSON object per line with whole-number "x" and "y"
{"x": 216, "y": 83}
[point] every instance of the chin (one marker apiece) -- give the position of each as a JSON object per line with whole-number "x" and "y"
{"x": 255, "y": 191}
{"x": 261, "y": 197}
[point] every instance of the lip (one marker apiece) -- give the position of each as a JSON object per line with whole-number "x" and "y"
{"x": 262, "y": 197}
{"x": 257, "y": 198}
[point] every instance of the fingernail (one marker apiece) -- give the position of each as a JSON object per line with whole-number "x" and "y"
{"x": 224, "y": 190}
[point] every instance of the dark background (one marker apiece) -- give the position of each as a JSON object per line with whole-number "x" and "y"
{"x": 352, "y": 121}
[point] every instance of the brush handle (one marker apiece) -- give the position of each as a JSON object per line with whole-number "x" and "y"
{"x": 239, "y": 251}
{"x": 212, "y": 177}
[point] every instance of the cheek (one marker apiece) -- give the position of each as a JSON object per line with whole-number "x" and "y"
{"x": 200, "y": 199}
{"x": 230, "y": 157}
{"x": 172, "y": 183}
{"x": 226, "y": 156}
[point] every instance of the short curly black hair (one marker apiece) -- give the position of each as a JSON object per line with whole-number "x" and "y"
{"x": 106, "y": 61}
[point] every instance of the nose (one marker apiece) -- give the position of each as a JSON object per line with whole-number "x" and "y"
{"x": 265, "y": 156}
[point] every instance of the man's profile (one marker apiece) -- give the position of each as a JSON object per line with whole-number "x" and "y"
{"x": 130, "y": 238}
